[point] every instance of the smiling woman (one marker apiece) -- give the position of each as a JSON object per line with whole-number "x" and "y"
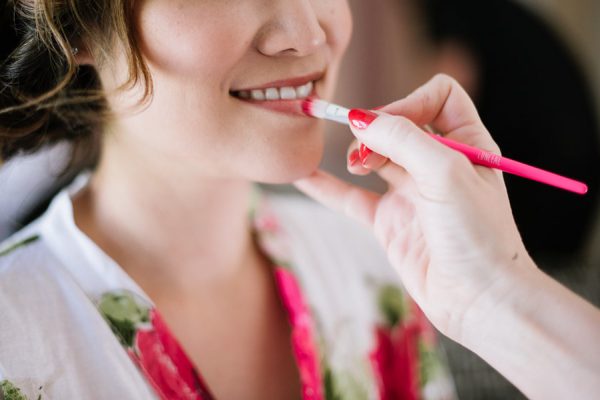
{"x": 162, "y": 270}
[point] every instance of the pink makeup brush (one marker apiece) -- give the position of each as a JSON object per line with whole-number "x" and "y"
{"x": 323, "y": 110}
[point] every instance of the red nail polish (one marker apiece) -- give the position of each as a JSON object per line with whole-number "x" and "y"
{"x": 354, "y": 158}
{"x": 361, "y": 119}
{"x": 364, "y": 152}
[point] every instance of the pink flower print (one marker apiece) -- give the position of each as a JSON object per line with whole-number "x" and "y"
{"x": 291, "y": 295}
{"x": 166, "y": 365}
{"x": 152, "y": 347}
{"x": 271, "y": 239}
{"x": 395, "y": 361}
{"x": 303, "y": 343}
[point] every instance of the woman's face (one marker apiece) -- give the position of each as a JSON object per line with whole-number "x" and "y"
{"x": 206, "y": 57}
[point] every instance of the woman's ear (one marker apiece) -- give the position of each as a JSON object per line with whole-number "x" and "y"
{"x": 458, "y": 61}
{"x": 82, "y": 55}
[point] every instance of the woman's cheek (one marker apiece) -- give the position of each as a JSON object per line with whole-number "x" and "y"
{"x": 338, "y": 24}
{"x": 189, "y": 39}
{"x": 336, "y": 20}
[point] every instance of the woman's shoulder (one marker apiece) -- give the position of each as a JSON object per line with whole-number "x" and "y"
{"x": 31, "y": 295}
{"x": 52, "y": 338}
{"x": 20, "y": 253}
{"x": 26, "y": 252}
{"x": 29, "y": 275}
{"x": 35, "y": 286}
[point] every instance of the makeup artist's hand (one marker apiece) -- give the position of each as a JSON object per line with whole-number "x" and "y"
{"x": 448, "y": 230}
{"x": 446, "y": 224}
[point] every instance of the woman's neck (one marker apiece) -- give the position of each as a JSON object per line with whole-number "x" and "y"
{"x": 169, "y": 228}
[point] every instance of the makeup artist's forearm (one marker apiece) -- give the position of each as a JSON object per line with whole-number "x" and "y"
{"x": 542, "y": 337}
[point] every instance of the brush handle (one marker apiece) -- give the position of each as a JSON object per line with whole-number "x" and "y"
{"x": 322, "y": 109}
{"x": 491, "y": 160}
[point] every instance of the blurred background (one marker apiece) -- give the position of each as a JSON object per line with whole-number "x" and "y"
{"x": 533, "y": 69}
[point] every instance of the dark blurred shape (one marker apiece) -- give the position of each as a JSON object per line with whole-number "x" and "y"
{"x": 532, "y": 96}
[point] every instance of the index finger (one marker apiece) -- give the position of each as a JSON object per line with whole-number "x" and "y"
{"x": 443, "y": 104}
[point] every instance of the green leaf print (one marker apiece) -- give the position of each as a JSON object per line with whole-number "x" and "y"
{"x": 123, "y": 313}
{"x": 342, "y": 386}
{"x": 429, "y": 364}
{"x": 392, "y": 304}
{"x": 15, "y": 246}
{"x": 8, "y": 391}
{"x": 329, "y": 385}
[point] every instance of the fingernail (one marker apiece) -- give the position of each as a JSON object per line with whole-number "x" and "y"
{"x": 364, "y": 152}
{"x": 361, "y": 119}
{"x": 354, "y": 158}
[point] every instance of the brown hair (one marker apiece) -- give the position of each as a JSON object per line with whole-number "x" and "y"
{"x": 45, "y": 96}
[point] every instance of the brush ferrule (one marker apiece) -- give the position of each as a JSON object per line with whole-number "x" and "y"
{"x": 337, "y": 113}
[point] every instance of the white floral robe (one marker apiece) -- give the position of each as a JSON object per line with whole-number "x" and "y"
{"x": 74, "y": 325}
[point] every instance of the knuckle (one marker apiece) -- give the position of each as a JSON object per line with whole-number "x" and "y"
{"x": 403, "y": 136}
{"x": 453, "y": 167}
{"x": 444, "y": 79}
{"x": 402, "y": 130}
{"x": 425, "y": 103}
{"x": 446, "y": 84}
{"x": 496, "y": 149}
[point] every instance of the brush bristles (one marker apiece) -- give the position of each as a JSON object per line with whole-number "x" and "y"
{"x": 321, "y": 109}
{"x": 314, "y": 107}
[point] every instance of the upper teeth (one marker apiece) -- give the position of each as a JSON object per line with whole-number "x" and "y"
{"x": 284, "y": 93}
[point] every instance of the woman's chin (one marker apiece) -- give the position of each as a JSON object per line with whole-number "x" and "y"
{"x": 288, "y": 170}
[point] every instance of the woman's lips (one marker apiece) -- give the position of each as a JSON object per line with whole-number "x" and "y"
{"x": 290, "y": 107}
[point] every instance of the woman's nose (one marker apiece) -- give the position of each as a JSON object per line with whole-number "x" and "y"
{"x": 294, "y": 29}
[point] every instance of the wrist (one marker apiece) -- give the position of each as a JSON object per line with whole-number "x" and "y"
{"x": 538, "y": 334}
{"x": 497, "y": 303}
